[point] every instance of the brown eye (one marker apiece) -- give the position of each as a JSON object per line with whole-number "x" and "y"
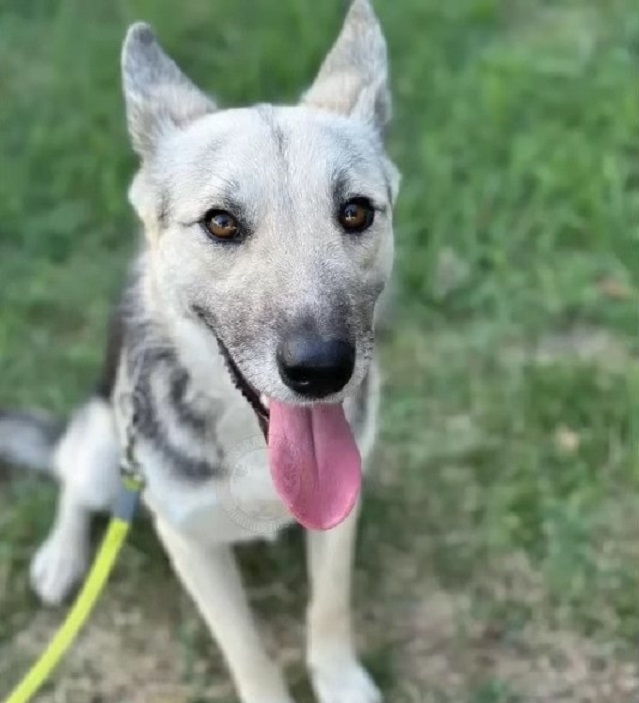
{"x": 221, "y": 224}
{"x": 356, "y": 215}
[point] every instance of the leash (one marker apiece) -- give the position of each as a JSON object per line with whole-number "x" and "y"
{"x": 117, "y": 531}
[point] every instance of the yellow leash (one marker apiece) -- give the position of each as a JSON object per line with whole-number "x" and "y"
{"x": 114, "y": 538}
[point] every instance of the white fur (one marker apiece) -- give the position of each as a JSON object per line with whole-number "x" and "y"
{"x": 86, "y": 459}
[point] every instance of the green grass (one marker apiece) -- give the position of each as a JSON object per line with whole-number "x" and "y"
{"x": 507, "y": 485}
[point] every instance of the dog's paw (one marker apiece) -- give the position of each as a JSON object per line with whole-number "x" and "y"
{"x": 344, "y": 682}
{"x": 56, "y": 569}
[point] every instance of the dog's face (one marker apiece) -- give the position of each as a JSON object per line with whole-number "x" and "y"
{"x": 270, "y": 226}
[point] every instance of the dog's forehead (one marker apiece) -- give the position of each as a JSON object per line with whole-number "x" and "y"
{"x": 252, "y": 150}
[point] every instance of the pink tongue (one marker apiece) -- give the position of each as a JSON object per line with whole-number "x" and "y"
{"x": 315, "y": 463}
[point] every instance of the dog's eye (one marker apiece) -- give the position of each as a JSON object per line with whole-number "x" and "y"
{"x": 221, "y": 224}
{"x": 356, "y": 215}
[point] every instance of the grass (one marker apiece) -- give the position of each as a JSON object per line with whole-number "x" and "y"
{"x": 499, "y": 557}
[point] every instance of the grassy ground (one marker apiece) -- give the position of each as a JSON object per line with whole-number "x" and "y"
{"x": 499, "y": 559}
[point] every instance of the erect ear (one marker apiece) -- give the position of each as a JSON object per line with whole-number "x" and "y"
{"x": 353, "y": 79}
{"x": 158, "y": 96}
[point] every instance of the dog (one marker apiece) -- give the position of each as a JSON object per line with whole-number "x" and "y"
{"x": 240, "y": 369}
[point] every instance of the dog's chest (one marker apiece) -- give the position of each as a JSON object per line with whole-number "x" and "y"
{"x": 241, "y": 505}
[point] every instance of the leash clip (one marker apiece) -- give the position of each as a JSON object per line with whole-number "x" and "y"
{"x": 130, "y": 468}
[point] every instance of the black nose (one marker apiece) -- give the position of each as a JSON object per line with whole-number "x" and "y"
{"x": 314, "y": 367}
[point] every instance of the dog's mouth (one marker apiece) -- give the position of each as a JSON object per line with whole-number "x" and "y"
{"x": 313, "y": 458}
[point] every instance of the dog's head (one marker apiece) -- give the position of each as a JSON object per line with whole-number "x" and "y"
{"x": 270, "y": 226}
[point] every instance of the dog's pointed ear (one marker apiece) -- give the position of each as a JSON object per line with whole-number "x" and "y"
{"x": 353, "y": 79}
{"x": 158, "y": 96}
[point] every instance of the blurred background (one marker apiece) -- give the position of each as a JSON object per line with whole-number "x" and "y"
{"x": 499, "y": 555}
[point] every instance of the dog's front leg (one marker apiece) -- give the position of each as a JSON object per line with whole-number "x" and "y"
{"x": 211, "y": 577}
{"x": 336, "y": 673}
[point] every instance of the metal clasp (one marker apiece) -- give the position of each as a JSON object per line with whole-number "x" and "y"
{"x": 130, "y": 467}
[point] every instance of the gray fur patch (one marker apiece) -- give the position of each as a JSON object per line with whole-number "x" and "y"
{"x": 169, "y": 416}
{"x": 155, "y": 417}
